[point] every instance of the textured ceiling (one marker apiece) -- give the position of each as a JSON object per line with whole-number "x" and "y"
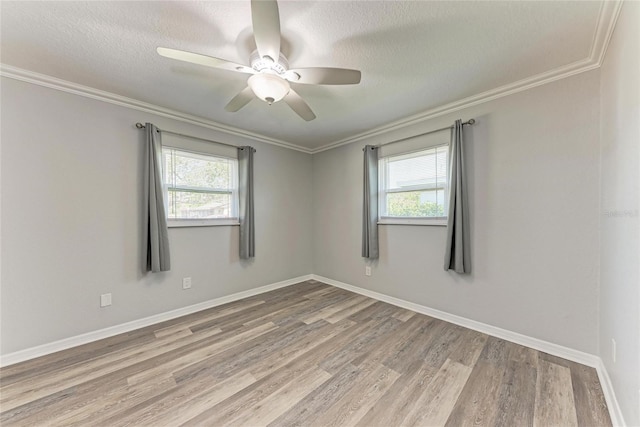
{"x": 414, "y": 55}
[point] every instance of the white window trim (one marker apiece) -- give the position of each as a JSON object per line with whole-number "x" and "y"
{"x": 392, "y": 220}
{"x": 204, "y": 222}
{"x": 208, "y": 222}
{"x": 397, "y": 220}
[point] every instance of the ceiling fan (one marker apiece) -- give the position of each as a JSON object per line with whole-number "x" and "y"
{"x": 270, "y": 70}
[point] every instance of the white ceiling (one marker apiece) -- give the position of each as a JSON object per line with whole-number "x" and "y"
{"x": 416, "y": 57}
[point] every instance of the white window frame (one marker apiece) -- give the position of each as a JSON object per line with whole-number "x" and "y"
{"x": 382, "y": 192}
{"x": 202, "y": 222}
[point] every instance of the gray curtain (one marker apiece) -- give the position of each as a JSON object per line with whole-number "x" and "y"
{"x": 370, "y": 203}
{"x": 157, "y": 235}
{"x": 245, "y": 193}
{"x": 458, "y": 249}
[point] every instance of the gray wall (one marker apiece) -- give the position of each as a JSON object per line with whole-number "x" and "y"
{"x": 533, "y": 161}
{"x": 620, "y": 198}
{"x": 71, "y": 227}
{"x": 71, "y": 220}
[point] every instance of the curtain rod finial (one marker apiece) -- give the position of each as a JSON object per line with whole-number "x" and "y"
{"x": 472, "y": 121}
{"x": 139, "y": 125}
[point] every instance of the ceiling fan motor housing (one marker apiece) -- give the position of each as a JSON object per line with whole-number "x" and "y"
{"x": 268, "y": 64}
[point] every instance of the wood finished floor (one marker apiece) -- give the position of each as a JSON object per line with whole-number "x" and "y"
{"x": 305, "y": 355}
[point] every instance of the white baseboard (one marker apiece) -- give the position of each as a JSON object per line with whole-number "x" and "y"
{"x": 63, "y": 344}
{"x": 612, "y": 402}
{"x": 535, "y": 343}
{"x": 557, "y": 350}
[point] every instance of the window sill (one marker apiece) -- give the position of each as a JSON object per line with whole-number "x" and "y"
{"x": 180, "y": 223}
{"x": 439, "y": 222}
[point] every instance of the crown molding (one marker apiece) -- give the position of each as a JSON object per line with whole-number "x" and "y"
{"x": 519, "y": 86}
{"x": 111, "y": 98}
{"x": 607, "y": 17}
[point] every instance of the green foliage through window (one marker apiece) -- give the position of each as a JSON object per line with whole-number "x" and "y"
{"x": 414, "y": 184}
{"x": 411, "y": 204}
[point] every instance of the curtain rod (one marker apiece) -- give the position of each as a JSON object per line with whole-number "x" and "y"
{"x": 468, "y": 122}
{"x": 141, "y": 126}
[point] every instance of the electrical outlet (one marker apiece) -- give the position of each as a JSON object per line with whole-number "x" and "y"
{"x": 105, "y": 300}
{"x": 614, "y": 350}
{"x": 186, "y": 283}
{"x": 367, "y": 270}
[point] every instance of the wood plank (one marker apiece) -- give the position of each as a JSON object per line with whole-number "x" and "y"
{"x": 589, "y": 397}
{"x": 18, "y": 393}
{"x": 333, "y": 308}
{"x": 554, "y": 404}
{"x": 393, "y": 344}
{"x": 235, "y": 319}
{"x": 88, "y": 399}
{"x": 256, "y": 392}
{"x": 188, "y": 324}
{"x": 591, "y": 406}
{"x": 309, "y": 342}
{"x": 516, "y": 400}
{"x": 114, "y": 401}
{"x": 396, "y": 403}
{"x": 276, "y": 315}
{"x": 168, "y": 408}
{"x": 477, "y": 404}
{"x": 309, "y": 409}
{"x": 65, "y": 359}
{"x": 280, "y": 312}
{"x": 470, "y": 347}
{"x": 378, "y": 310}
{"x": 299, "y": 290}
{"x": 324, "y": 292}
{"x": 236, "y": 359}
{"x": 439, "y": 398}
{"x": 404, "y": 315}
{"x": 369, "y": 387}
{"x": 433, "y": 344}
{"x": 362, "y": 344}
{"x": 346, "y": 312}
{"x": 196, "y": 356}
{"x": 267, "y": 410}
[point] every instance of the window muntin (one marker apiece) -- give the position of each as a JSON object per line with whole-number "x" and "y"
{"x": 414, "y": 185}
{"x": 199, "y": 186}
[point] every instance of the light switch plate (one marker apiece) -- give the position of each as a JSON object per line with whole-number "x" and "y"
{"x": 105, "y": 300}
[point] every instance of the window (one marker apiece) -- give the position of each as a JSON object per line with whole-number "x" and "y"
{"x": 200, "y": 189}
{"x": 413, "y": 187}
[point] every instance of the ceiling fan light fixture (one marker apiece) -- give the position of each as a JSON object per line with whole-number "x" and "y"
{"x": 268, "y": 87}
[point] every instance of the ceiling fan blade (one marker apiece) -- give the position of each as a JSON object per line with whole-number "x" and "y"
{"x": 324, "y": 76}
{"x": 298, "y": 105}
{"x": 240, "y": 100}
{"x": 208, "y": 61}
{"x": 266, "y": 27}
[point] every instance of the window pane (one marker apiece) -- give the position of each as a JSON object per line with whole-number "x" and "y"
{"x": 186, "y": 204}
{"x": 428, "y": 203}
{"x": 414, "y": 184}
{"x": 199, "y": 186}
{"x": 427, "y": 168}
{"x": 193, "y": 170}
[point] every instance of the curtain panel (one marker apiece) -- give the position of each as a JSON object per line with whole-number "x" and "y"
{"x": 155, "y": 218}
{"x": 458, "y": 247}
{"x": 370, "y": 203}
{"x": 246, "y": 203}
